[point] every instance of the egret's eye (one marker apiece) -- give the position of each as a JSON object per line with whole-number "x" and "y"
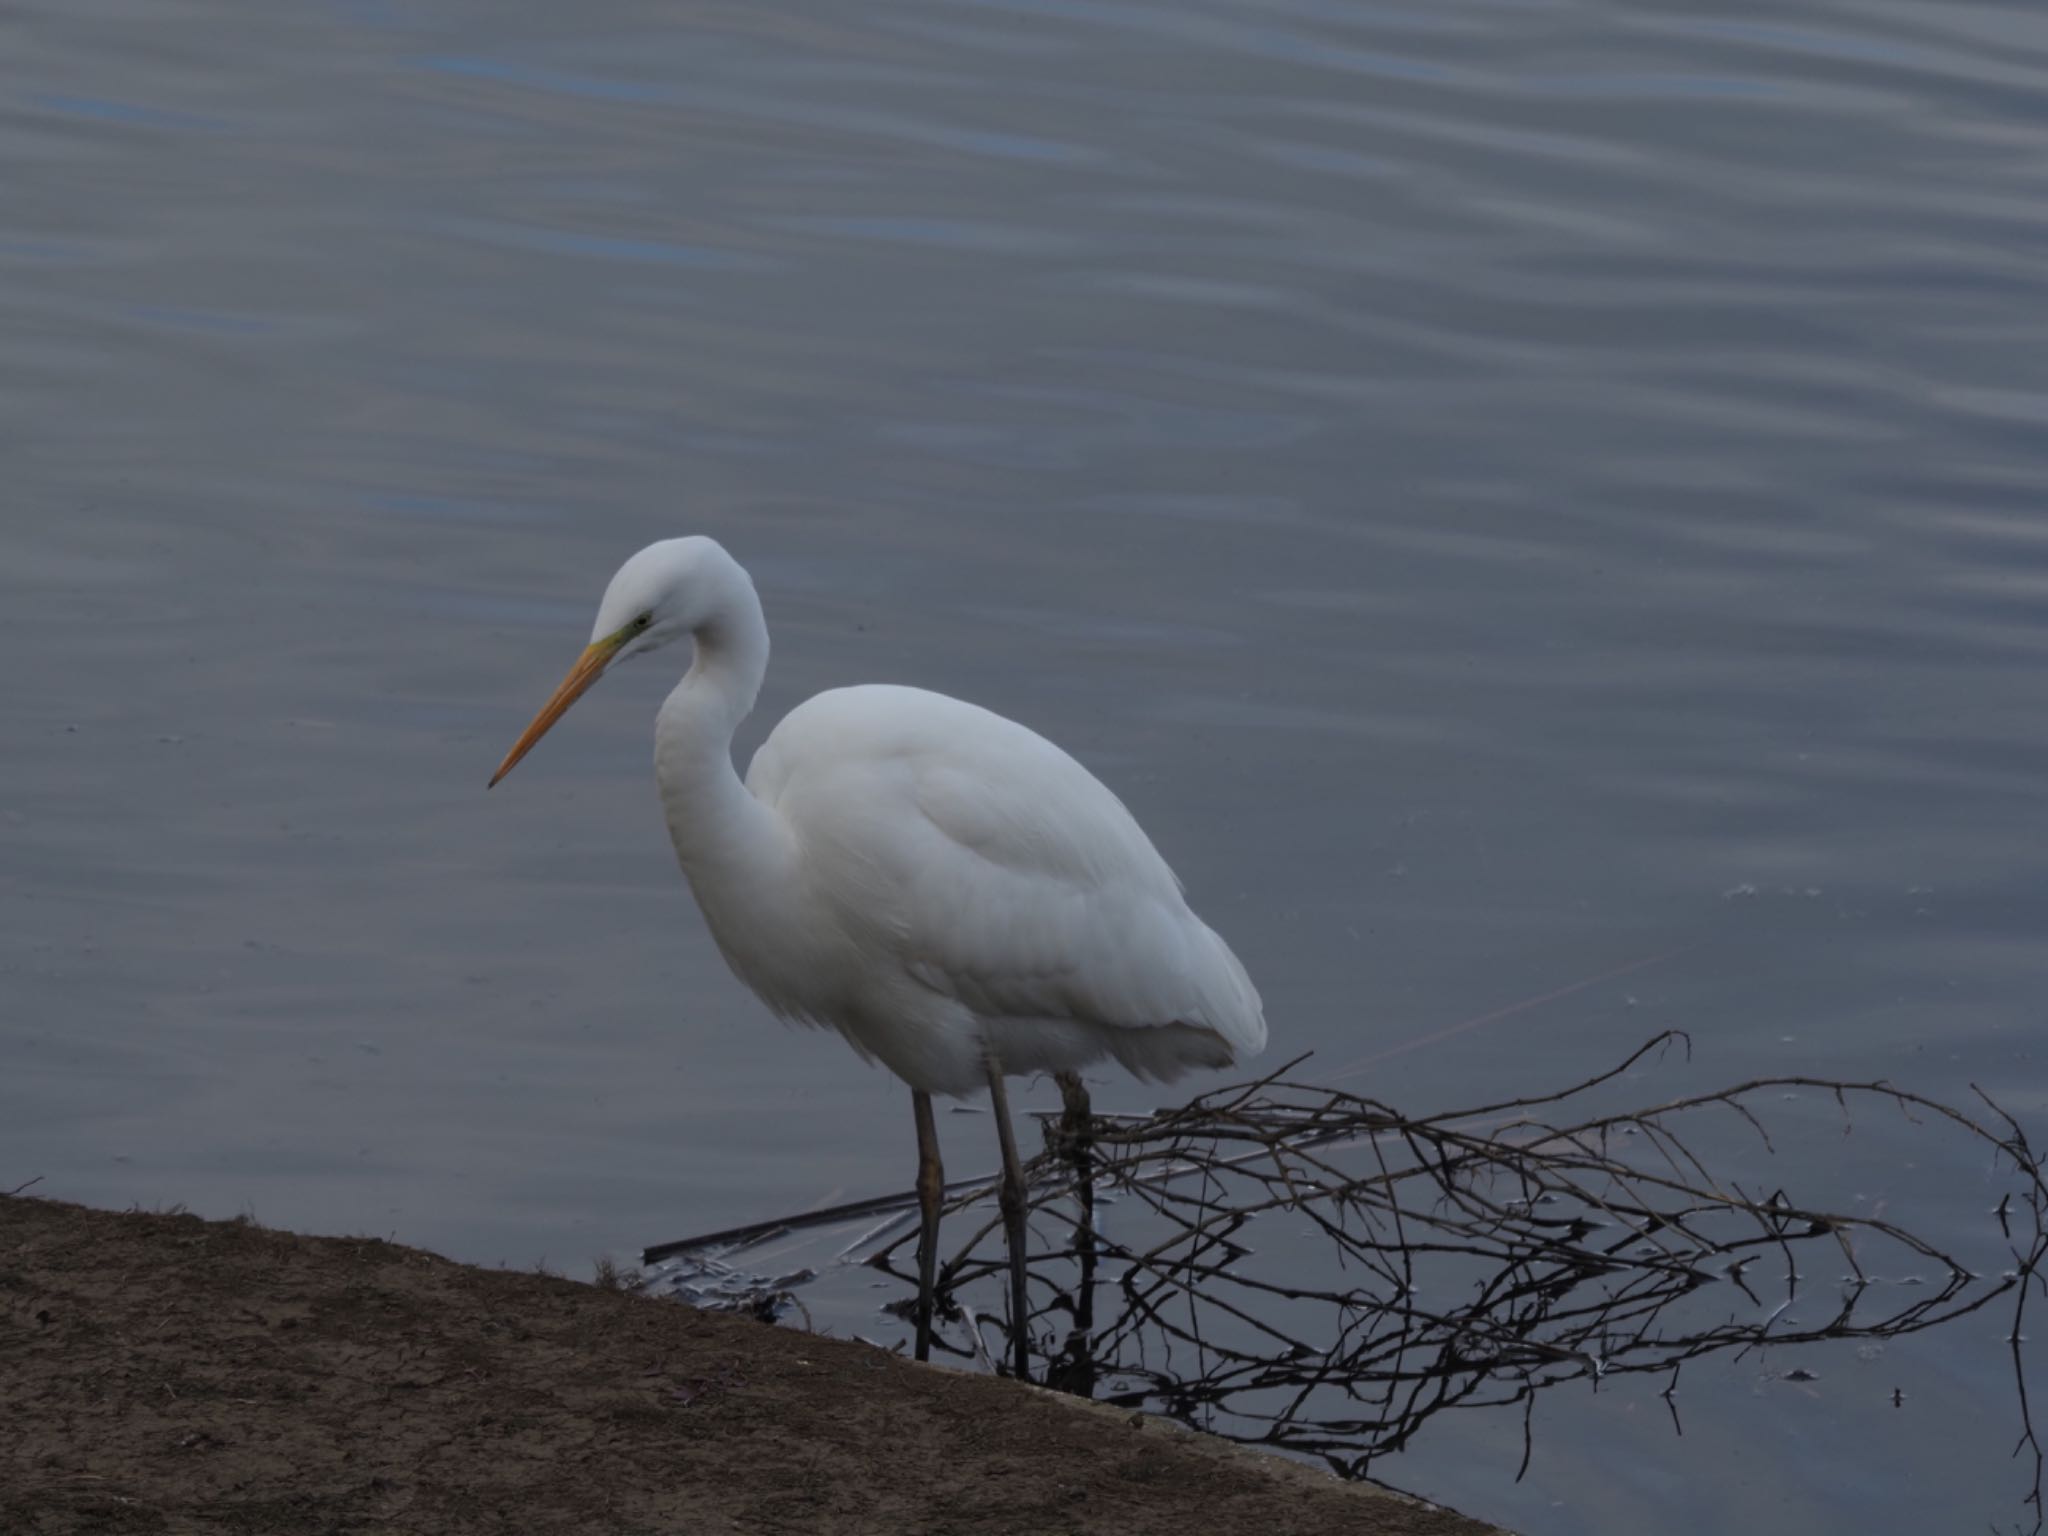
{"x": 643, "y": 621}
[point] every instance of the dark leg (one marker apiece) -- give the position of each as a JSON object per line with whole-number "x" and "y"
{"x": 931, "y": 1188}
{"x": 1074, "y": 1123}
{"x": 1012, "y": 1200}
{"x": 1074, "y": 1137}
{"x": 1074, "y": 1096}
{"x": 1074, "y": 1371}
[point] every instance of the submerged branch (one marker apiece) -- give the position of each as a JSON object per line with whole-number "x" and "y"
{"x": 1464, "y": 1258}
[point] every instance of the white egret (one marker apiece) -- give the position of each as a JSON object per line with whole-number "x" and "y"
{"x": 950, "y": 891}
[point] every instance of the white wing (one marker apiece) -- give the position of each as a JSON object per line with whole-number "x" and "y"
{"x": 995, "y": 869}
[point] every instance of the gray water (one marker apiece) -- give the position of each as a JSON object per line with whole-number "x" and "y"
{"x": 1509, "y": 493}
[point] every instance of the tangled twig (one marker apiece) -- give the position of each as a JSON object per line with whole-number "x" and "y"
{"x": 1461, "y": 1259}
{"x": 1466, "y": 1258}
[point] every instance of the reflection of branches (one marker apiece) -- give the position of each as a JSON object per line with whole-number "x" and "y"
{"x": 1459, "y": 1259}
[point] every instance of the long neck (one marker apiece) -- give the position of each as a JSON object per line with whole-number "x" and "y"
{"x": 718, "y": 827}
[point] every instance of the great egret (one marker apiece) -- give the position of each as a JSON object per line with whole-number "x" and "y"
{"x": 950, "y": 891}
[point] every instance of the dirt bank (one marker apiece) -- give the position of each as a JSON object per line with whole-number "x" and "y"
{"x": 160, "y": 1373}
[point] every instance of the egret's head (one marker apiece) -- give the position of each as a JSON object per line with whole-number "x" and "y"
{"x": 666, "y": 591}
{"x": 656, "y": 598}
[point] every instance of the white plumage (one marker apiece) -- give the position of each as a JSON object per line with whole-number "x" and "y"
{"x": 970, "y": 890}
{"x": 949, "y": 890}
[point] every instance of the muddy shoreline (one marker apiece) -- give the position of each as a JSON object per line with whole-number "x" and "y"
{"x": 159, "y": 1373}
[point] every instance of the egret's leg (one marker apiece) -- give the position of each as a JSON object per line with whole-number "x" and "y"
{"x": 1074, "y": 1137}
{"x": 1075, "y": 1370}
{"x": 1012, "y": 1200}
{"x": 1074, "y": 1099}
{"x": 931, "y": 1188}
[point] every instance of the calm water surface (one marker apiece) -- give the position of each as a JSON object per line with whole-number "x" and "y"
{"x": 1506, "y": 491}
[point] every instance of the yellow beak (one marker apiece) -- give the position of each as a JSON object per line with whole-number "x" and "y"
{"x": 588, "y": 669}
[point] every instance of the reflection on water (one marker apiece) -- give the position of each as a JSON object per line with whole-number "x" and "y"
{"x": 1475, "y": 1258}
{"x": 1503, "y": 491}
